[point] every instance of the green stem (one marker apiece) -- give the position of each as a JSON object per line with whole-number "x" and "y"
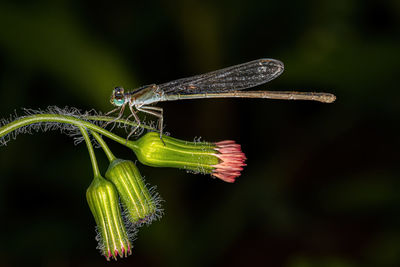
{"x": 37, "y": 118}
{"x": 92, "y": 155}
{"x": 123, "y": 121}
{"x": 103, "y": 144}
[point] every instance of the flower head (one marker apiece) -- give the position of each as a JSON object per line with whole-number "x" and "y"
{"x": 141, "y": 206}
{"x": 112, "y": 235}
{"x": 223, "y": 160}
{"x": 231, "y": 161}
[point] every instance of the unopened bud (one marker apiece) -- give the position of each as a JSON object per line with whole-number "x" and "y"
{"x": 141, "y": 206}
{"x": 112, "y": 235}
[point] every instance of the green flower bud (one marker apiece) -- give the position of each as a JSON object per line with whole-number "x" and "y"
{"x": 112, "y": 235}
{"x": 223, "y": 160}
{"x": 141, "y": 206}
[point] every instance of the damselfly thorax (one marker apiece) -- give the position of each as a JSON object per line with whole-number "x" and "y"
{"x": 222, "y": 83}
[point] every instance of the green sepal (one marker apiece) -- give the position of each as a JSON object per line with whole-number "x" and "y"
{"x": 175, "y": 153}
{"x": 103, "y": 201}
{"x": 136, "y": 198}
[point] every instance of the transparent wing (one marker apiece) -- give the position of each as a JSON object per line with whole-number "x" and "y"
{"x": 233, "y": 78}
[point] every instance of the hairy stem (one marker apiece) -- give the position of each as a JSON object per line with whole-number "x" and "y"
{"x": 37, "y": 118}
{"x": 123, "y": 121}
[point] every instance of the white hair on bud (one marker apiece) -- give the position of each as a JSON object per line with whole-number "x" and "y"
{"x": 131, "y": 229}
{"x": 100, "y": 241}
{"x": 197, "y": 139}
{"x": 155, "y": 200}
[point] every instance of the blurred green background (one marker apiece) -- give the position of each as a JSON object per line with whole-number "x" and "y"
{"x": 322, "y": 183}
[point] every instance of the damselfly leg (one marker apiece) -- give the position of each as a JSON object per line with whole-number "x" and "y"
{"x": 133, "y": 113}
{"x": 121, "y": 113}
{"x": 153, "y": 111}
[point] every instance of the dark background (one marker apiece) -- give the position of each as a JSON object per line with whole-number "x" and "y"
{"x": 322, "y": 183}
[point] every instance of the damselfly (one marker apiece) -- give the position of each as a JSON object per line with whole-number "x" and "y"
{"x": 223, "y": 83}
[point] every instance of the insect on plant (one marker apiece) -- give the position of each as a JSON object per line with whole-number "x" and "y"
{"x": 223, "y": 83}
{"x": 119, "y": 199}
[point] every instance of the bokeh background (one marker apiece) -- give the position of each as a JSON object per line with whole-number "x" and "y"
{"x": 322, "y": 183}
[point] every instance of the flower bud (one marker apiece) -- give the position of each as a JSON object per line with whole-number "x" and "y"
{"x": 112, "y": 235}
{"x": 140, "y": 205}
{"x": 223, "y": 160}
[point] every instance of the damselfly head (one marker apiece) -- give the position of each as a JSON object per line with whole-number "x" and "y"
{"x": 118, "y": 97}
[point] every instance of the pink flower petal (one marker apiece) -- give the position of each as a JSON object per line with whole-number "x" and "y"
{"x": 231, "y": 161}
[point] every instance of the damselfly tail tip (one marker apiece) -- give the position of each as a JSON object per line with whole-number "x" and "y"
{"x": 330, "y": 98}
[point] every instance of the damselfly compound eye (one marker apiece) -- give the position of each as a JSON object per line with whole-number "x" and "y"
{"x": 117, "y": 97}
{"x": 118, "y": 92}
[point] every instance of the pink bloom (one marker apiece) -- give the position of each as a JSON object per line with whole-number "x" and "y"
{"x": 231, "y": 161}
{"x": 224, "y": 159}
